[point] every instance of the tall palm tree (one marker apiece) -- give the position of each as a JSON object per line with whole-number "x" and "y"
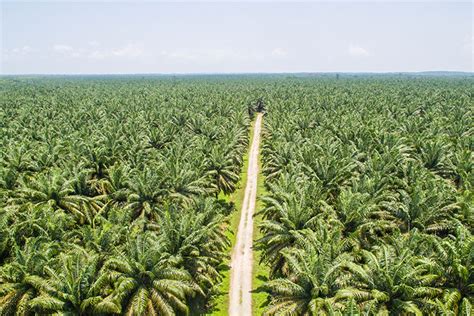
{"x": 362, "y": 215}
{"x": 18, "y": 158}
{"x": 428, "y": 206}
{"x": 463, "y": 173}
{"x": 146, "y": 193}
{"x": 30, "y": 221}
{"x": 435, "y": 155}
{"x": 23, "y": 279}
{"x": 220, "y": 168}
{"x": 8, "y": 180}
{"x": 390, "y": 279}
{"x": 68, "y": 286}
{"x": 54, "y": 190}
{"x": 183, "y": 182}
{"x": 287, "y": 215}
{"x": 194, "y": 239}
{"x": 311, "y": 283}
{"x": 144, "y": 281}
{"x": 333, "y": 172}
{"x": 115, "y": 187}
{"x": 161, "y": 136}
{"x": 276, "y": 158}
{"x": 453, "y": 262}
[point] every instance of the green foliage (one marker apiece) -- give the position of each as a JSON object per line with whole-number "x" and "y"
{"x": 109, "y": 193}
{"x": 369, "y": 210}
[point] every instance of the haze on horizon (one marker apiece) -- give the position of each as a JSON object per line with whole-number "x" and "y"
{"x": 105, "y": 37}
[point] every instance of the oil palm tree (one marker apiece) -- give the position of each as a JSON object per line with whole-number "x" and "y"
{"x": 114, "y": 188}
{"x": 144, "y": 281}
{"x": 363, "y": 215}
{"x": 8, "y": 180}
{"x": 333, "y": 172}
{"x": 390, "y": 280}
{"x": 161, "y": 135}
{"x": 453, "y": 262}
{"x": 146, "y": 193}
{"x": 285, "y": 215}
{"x": 220, "y": 168}
{"x": 195, "y": 241}
{"x": 5, "y": 239}
{"x": 428, "y": 206}
{"x": 68, "y": 285}
{"x": 311, "y": 282}
{"x": 23, "y": 279}
{"x": 29, "y": 221}
{"x": 54, "y": 190}
{"x": 182, "y": 182}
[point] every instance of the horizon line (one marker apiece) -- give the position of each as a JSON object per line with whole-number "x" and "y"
{"x": 240, "y": 73}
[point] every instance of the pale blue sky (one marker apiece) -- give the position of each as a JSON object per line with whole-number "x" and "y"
{"x": 195, "y": 37}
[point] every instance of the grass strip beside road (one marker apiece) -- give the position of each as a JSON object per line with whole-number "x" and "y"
{"x": 260, "y": 272}
{"x": 222, "y": 300}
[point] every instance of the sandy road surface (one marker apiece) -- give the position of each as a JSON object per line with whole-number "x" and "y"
{"x": 240, "y": 302}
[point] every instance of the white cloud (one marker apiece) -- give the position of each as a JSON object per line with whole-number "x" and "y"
{"x": 222, "y": 54}
{"x": 214, "y": 55}
{"x": 63, "y": 49}
{"x": 127, "y": 51}
{"x": 16, "y": 52}
{"x": 193, "y": 55}
{"x": 96, "y": 54}
{"x": 130, "y": 51}
{"x": 24, "y": 50}
{"x": 279, "y": 52}
{"x": 179, "y": 55}
{"x": 357, "y": 51}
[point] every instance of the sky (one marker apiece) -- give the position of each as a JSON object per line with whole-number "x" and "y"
{"x": 107, "y": 37}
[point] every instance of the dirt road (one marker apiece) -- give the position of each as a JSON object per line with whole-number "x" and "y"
{"x": 240, "y": 302}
